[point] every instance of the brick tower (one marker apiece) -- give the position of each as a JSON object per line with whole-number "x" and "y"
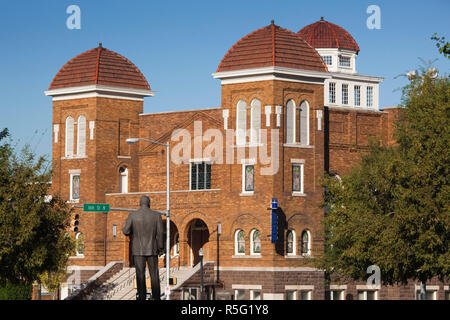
{"x": 97, "y": 98}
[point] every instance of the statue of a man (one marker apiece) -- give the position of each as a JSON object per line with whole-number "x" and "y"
{"x": 145, "y": 227}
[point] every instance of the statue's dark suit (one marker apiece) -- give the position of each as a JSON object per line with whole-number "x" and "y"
{"x": 146, "y": 230}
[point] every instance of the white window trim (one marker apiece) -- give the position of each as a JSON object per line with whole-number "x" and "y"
{"x": 77, "y": 254}
{"x": 81, "y": 135}
{"x": 308, "y": 110}
{"x": 56, "y": 131}
{"x": 245, "y": 162}
{"x": 300, "y": 162}
{"x": 365, "y": 293}
{"x": 72, "y": 173}
{"x": 294, "y": 246}
{"x": 308, "y": 254}
{"x": 252, "y": 244}
{"x": 252, "y": 294}
{"x": 236, "y": 247}
{"x": 293, "y": 291}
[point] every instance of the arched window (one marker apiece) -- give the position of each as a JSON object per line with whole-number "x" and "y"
{"x": 123, "y": 180}
{"x": 79, "y": 249}
{"x": 81, "y": 136}
{"x": 306, "y": 243}
{"x": 239, "y": 242}
{"x": 304, "y": 123}
{"x": 69, "y": 136}
{"x": 290, "y": 121}
{"x": 255, "y": 242}
{"x": 290, "y": 243}
{"x": 255, "y": 121}
{"x": 297, "y": 123}
{"x": 241, "y": 122}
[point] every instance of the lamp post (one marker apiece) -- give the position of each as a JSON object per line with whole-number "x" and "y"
{"x": 200, "y": 253}
{"x": 134, "y": 140}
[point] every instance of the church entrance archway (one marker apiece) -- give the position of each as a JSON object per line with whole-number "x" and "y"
{"x": 197, "y": 237}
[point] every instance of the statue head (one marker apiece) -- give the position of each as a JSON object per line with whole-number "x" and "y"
{"x": 145, "y": 202}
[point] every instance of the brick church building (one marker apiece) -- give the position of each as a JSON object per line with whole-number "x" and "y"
{"x": 293, "y": 108}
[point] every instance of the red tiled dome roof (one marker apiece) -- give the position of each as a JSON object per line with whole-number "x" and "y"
{"x": 99, "y": 66}
{"x": 272, "y": 46}
{"x": 324, "y": 34}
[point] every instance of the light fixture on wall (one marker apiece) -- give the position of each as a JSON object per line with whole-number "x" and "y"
{"x": 114, "y": 230}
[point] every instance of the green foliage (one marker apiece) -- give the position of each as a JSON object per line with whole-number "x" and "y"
{"x": 20, "y": 291}
{"x": 442, "y": 45}
{"x": 33, "y": 237}
{"x": 392, "y": 210}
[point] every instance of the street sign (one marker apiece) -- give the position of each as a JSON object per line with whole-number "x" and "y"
{"x": 274, "y": 220}
{"x": 96, "y": 207}
{"x": 274, "y": 203}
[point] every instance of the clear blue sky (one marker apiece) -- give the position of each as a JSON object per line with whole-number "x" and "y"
{"x": 178, "y": 44}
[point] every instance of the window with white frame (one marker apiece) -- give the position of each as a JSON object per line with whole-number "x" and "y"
{"x": 123, "y": 180}
{"x": 344, "y": 93}
{"x": 336, "y": 294}
{"x": 430, "y": 294}
{"x": 291, "y": 249}
{"x": 200, "y": 175}
{"x": 81, "y": 136}
{"x": 357, "y": 95}
{"x": 369, "y": 96}
{"x": 302, "y": 114}
{"x": 255, "y": 242}
{"x": 189, "y": 293}
{"x": 75, "y": 187}
{"x": 255, "y": 294}
{"x": 297, "y": 178}
{"x": 367, "y": 294}
{"x": 248, "y": 178}
{"x": 69, "y": 136}
{"x": 239, "y": 294}
{"x": 304, "y": 123}
{"x": 447, "y": 294}
{"x": 305, "y": 294}
{"x": 306, "y": 243}
{"x": 291, "y": 295}
{"x": 255, "y": 121}
{"x": 332, "y": 92}
{"x": 328, "y": 60}
{"x": 239, "y": 242}
{"x": 79, "y": 244}
{"x": 241, "y": 122}
{"x": 344, "y": 61}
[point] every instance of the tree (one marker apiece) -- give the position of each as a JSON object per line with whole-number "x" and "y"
{"x": 34, "y": 243}
{"x": 442, "y": 45}
{"x": 392, "y": 210}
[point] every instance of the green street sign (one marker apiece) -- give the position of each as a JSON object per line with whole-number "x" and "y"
{"x": 96, "y": 207}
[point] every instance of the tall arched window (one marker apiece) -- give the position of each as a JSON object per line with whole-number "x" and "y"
{"x": 306, "y": 243}
{"x": 239, "y": 242}
{"x": 81, "y": 136}
{"x": 69, "y": 136}
{"x": 297, "y": 123}
{"x": 241, "y": 122}
{"x": 290, "y": 121}
{"x": 79, "y": 249}
{"x": 255, "y": 242}
{"x": 290, "y": 243}
{"x": 123, "y": 180}
{"x": 255, "y": 123}
{"x": 304, "y": 123}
